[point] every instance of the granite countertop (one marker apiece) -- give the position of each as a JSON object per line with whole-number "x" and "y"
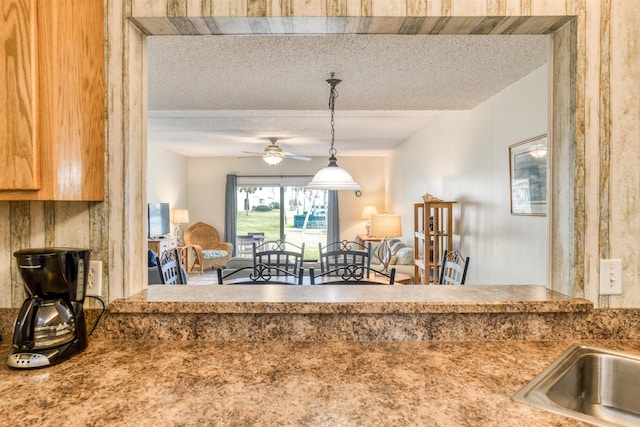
{"x": 325, "y": 356}
{"x": 166, "y": 383}
{"x": 348, "y": 299}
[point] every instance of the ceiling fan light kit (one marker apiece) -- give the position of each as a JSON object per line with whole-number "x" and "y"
{"x": 271, "y": 160}
{"x": 273, "y": 154}
{"x": 333, "y": 177}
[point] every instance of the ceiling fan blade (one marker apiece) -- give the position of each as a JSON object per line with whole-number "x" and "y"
{"x": 294, "y": 157}
{"x": 274, "y": 151}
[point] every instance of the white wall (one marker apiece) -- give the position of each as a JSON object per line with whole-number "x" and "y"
{"x": 167, "y": 178}
{"x": 207, "y": 180}
{"x": 463, "y": 156}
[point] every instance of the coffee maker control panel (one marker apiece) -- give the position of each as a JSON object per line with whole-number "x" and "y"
{"x": 27, "y": 360}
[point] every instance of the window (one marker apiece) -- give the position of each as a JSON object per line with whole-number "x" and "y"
{"x": 272, "y": 208}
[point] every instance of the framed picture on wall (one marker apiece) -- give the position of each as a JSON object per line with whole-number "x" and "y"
{"x": 528, "y": 166}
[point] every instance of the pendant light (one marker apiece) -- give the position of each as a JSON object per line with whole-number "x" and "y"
{"x": 333, "y": 177}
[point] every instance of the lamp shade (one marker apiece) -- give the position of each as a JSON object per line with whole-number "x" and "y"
{"x": 180, "y": 216}
{"x": 368, "y": 211}
{"x": 386, "y": 226}
{"x": 333, "y": 177}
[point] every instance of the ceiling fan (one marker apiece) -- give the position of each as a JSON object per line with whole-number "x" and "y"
{"x": 273, "y": 154}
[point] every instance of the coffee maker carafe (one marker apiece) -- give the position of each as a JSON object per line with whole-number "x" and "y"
{"x": 51, "y": 326}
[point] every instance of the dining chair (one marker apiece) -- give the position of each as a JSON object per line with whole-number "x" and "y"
{"x": 170, "y": 269}
{"x": 353, "y": 274}
{"x": 244, "y": 245}
{"x": 258, "y": 237}
{"x": 453, "y": 270}
{"x": 339, "y": 255}
{"x": 280, "y": 256}
{"x": 259, "y": 274}
{"x": 274, "y": 262}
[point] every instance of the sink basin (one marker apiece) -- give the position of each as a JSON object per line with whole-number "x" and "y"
{"x": 590, "y": 384}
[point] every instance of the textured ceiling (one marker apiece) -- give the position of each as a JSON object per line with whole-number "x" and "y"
{"x": 219, "y": 95}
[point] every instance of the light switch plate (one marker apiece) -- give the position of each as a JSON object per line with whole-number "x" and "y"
{"x": 610, "y": 277}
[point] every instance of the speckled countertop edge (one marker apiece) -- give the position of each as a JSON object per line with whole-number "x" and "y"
{"x": 348, "y": 299}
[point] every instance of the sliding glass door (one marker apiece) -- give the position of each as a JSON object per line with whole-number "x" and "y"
{"x": 273, "y": 211}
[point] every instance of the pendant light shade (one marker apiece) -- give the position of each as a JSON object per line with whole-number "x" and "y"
{"x": 333, "y": 177}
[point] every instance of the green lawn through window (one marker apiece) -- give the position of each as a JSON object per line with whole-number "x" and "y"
{"x": 269, "y": 224}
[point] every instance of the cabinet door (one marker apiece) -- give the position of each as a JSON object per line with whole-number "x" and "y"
{"x": 68, "y": 90}
{"x": 71, "y": 98}
{"x": 19, "y": 167}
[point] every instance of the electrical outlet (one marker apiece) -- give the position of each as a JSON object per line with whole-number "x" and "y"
{"x": 610, "y": 277}
{"x": 94, "y": 281}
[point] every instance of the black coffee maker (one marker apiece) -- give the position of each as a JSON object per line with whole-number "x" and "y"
{"x": 50, "y": 327}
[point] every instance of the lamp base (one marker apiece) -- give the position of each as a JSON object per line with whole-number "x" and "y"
{"x": 387, "y": 256}
{"x": 179, "y": 233}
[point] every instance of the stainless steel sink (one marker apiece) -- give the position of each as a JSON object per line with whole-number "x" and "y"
{"x": 590, "y": 384}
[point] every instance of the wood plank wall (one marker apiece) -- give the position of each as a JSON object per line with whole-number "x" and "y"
{"x": 603, "y": 218}
{"x": 394, "y": 17}
{"x": 580, "y": 237}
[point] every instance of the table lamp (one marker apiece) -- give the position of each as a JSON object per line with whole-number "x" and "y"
{"x": 386, "y": 226}
{"x": 367, "y": 212}
{"x": 179, "y": 216}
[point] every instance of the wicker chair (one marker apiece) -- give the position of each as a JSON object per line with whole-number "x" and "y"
{"x": 211, "y": 253}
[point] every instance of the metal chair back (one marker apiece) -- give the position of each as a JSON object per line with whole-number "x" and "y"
{"x": 274, "y": 262}
{"x": 338, "y": 256}
{"x": 279, "y": 256}
{"x": 353, "y": 275}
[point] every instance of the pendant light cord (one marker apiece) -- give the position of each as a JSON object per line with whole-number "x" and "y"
{"x": 333, "y": 177}
{"x": 333, "y": 94}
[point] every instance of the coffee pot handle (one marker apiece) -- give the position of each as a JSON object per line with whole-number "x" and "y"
{"x": 23, "y": 332}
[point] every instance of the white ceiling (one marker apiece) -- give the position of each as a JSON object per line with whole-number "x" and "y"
{"x": 220, "y": 95}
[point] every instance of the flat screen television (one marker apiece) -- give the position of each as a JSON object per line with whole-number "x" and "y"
{"x": 158, "y": 220}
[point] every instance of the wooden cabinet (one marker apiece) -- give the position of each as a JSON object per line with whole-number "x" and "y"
{"x": 52, "y": 100}
{"x": 19, "y": 168}
{"x": 160, "y": 245}
{"x": 433, "y": 234}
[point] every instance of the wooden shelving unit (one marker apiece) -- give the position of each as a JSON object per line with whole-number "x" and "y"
{"x": 433, "y": 234}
